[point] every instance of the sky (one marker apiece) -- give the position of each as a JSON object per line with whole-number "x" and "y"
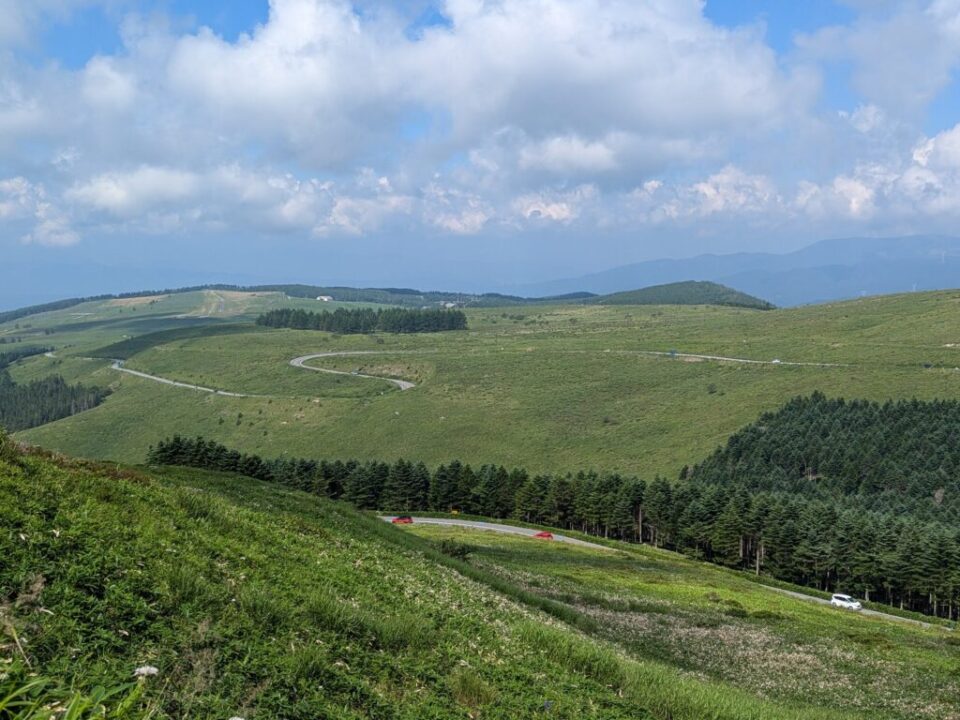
{"x": 459, "y": 144}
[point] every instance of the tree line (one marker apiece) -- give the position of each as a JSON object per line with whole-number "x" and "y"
{"x": 8, "y": 357}
{"x": 367, "y": 320}
{"x": 38, "y": 402}
{"x": 882, "y": 556}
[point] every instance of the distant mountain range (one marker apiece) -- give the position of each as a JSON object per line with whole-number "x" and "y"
{"x": 825, "y": 271}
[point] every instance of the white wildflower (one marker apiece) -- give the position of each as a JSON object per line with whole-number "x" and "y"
{"x": 145, "y": 671}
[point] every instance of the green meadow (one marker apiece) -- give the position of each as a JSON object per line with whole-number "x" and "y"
{"x": 549, "y": 388}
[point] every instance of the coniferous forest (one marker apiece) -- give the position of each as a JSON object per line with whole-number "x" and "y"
{"x": 367, "y": 320}
{"x": 41, "y": 401}
{"x": 840, "y": 496}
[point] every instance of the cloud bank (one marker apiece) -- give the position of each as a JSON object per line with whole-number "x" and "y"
{"x": 335, "y": 120}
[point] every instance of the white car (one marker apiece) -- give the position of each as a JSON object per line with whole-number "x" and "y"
{"x": 846, "y": 602}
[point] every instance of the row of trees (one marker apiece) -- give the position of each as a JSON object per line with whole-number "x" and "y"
{"x": 367, "y": 320}
{"x": 883, "y": 556}
{"x": 8, "y": 357}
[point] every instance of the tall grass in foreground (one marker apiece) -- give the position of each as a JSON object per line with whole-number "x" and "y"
{"x": 41, "y": 699}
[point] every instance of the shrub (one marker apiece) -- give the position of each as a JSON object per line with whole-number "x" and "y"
{"x": 264, "y": 608}
{"x": 185, "y": 585}
{"x": 458, "y": 550}
{"x": 469, "y": 689}
{"x": 9, "y": 452}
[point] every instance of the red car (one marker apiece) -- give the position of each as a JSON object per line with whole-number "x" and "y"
{"x": 402, "y": 520}
{"x": 544, "y": 535}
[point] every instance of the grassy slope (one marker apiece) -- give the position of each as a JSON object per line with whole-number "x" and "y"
{"x": 91, "y": 325}
{"x": 259, "y": 602}
{"x": 549, "y": 388}
{"x": 655, "y": 604}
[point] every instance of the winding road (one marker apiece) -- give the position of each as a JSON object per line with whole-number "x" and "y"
{"x": 296, "y": 362}
{"x": 300, "y": 363}
{"x": 529, "y": 532}
{"x": 500, "y": 528}
{"x": 118, "y": 365}
{"x": 721, "y": 358}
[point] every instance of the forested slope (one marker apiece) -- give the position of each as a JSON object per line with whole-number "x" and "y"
{"x": 40, "y": 401}
{"x": 838, "y": 496}
{"x": 898, "y": 457}
{"x": 851, "y": 495}
{"x": 690, "y": 292}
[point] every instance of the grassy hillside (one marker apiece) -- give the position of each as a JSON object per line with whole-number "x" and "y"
{"x": 552, "y": 388}
{"x": 690, "y": 292}
{"x": 376, "y": 296}
{"x": 655, "y": 605}
{"x": 254, "y": 601}
{"x": 96, "y": 323}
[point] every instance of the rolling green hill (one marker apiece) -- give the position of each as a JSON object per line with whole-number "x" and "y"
{"x": 691, "y": 292}
{"x": 377, "y": 296}
{"x": 552, "y": 388}
{"x": 235, "y": 598}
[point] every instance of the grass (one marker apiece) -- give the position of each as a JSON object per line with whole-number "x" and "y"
{"x": 42, "y": 699}
{"x": 549, "y": 388}
{"x": 660, "y": 609}
{"x": 260, "y": 602}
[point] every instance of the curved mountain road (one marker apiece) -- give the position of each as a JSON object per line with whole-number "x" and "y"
{"x": 498, "y": 527}
{"x": 300, "y": 363}
{"x": 529, "y": 532}
{"x": 296, "y": 362}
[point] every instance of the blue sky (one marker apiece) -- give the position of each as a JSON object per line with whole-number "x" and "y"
{"x": 460, "y": 143}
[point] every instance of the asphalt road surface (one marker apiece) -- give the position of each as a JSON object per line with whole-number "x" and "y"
{"x": 118, "y": 365}
{"x": 299, "y": 362}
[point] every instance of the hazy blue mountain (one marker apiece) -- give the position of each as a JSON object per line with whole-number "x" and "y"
{"x": 827, "y": 270}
